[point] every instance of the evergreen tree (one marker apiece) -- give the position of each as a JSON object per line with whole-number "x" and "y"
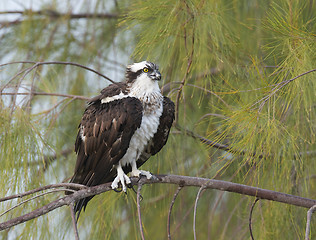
{"x": 241, "y": 74}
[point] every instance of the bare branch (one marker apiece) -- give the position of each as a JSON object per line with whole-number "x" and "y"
{"x": 51, "y": 186}
{"x": 139, "y": 212}
{"x": 189, "y": 63}
{"x": 170, "y": 209}
{"x": 55, "y": 14}
{"x": 36, "y": 64}
{"x": 216, "y": 144}
{"x": 308, "y": 222}
{"x": 74, "y": 221}
{"x": 195, "y": 208}
{"x": 170, "y": 179}
{"x": 32, "y": 198}
{"x": 250, "y": 217}
{"x": 47, "y": 94}
{"x": 278, "y": 87}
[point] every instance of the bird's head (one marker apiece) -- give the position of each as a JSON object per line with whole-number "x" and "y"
{"x": 143, "y": 71}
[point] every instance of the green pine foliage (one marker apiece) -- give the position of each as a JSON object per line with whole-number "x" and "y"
{"x": 232, "y": 67}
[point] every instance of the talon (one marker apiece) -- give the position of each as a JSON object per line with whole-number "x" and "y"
{"x": 139, "y": 173}
{"x": 117, "y": 190}
{"x": 120, "y": 178}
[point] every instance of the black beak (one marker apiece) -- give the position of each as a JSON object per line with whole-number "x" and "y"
{"x": 155, "y": 75}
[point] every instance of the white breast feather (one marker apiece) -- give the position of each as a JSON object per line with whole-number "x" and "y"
{"x": 141, "y": 137}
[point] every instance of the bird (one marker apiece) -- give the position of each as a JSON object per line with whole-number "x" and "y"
{"x": 121, "y": 129}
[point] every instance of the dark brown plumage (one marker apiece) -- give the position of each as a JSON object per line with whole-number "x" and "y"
{"x": 107, "y": 127}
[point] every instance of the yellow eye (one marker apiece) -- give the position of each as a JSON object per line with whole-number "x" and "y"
{"x": 145, "y": 69}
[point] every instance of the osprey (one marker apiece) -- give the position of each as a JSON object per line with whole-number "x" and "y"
{"x": 120, "y": 129}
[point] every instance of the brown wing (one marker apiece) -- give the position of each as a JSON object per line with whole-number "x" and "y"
{"x": 161, "y": 136}
{"x": 103, "y": 139}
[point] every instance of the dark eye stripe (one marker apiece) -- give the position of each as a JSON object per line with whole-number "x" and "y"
{"x": 131, "y": 76}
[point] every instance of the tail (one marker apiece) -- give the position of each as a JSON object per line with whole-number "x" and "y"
{"x": 89, "y": 180}
{"x": 81, "y": 204}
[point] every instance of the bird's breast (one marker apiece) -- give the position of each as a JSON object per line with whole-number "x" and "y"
{"x": 146, "y": 131}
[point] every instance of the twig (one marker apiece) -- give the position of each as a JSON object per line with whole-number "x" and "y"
{"x": 36, "y": 64}
{"x": 250, "y": 217}
{"x": 74, "y": 221}
{"x": 51, "y": 186}
{"x": 215, "y": 144}
{"x": 170, "y": 209}
{"x": 32, "y": 198}
{"x": 189, "y": 63}
{"x": 47, "y": 94}
{"x": 278, "y": 87}
{"x": 170, "y": 179}
{"x": 195, "y": 208}
{"x": 139, "y": 212}
{"x": 54, "y": 14}
{"x": 308, "y": 222}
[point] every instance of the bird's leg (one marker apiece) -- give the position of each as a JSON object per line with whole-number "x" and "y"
{"x": 121, "y": 177}
{"x": 137, "y": 173}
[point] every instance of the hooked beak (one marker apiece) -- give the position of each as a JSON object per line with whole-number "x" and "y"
{"x": 155, "y": 75}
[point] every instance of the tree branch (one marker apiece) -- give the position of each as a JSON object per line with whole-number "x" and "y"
{"x": 139, "y": 188}
{"x": 170, "y": 210}
{"x": 51, "y": 186}
{"x": 36, "y": 64}
{"x": 47, "y": 94}
{"x": 216, "y": 144}
{"x": 308, "y": 222}
{"x": 54, "y": 14}
{"x": 74, "y": 221}
{"x": 195, "y": 209}
{"x": 170, "y": 179}
{"x": 250, "y": 217}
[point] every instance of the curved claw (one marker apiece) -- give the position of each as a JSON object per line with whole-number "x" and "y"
{"x": 120, "y": 178}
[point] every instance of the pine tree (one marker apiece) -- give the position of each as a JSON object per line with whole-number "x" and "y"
{"x": 241, "y": 73}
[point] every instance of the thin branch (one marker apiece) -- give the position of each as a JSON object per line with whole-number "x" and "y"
{"x": 139, "y": 212}
{"x": 32, "y": 198}
{"x": 278, "y": 87}
{"x": 250, "y": 217}
{"x": 74, "y": 221}
{"x": 54, "y": 14}
{"x": 36, "y": 64}
{"x": 189, "y": 63}
{"x": 195, "y": 208}
{"x": 308, "y": 222}
{"x": 51, "y": 186}
{"x": 216, "y": 144}
{"x": 47, "y": 94}
{"x": 170, "y": 209}
{"x": 169, "y": 179}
